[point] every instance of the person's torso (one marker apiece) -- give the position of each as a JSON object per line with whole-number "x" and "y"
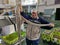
{"x": 33, "y": 32}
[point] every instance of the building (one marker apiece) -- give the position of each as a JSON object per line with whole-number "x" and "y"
{"x": 44, "y": 4}
{"x": 49, "y": 4}
{"x": 29, "y": 4}
{"x": 50, "y": 7}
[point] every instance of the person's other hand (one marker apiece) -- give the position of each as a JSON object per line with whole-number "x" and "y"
{"x": 51, "y": 24}
{"x": 21, "y": 9}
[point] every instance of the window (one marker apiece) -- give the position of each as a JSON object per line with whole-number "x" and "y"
{"x": 57, "y": 16}
{"x": 29, "y": 2}
{"x": 57, "y": 1}
{"x": 48, "y": 11}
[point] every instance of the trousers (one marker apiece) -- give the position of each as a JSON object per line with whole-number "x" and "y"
{"x": 32, "y": 42}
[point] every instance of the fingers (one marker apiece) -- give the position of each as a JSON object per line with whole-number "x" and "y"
{"x": 51, "y": 25}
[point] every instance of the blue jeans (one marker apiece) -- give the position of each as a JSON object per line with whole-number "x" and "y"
{"x": 32, "y": 42}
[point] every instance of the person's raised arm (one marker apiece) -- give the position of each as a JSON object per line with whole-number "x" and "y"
{"x": 23, "y": 13}
{"x": 43, "y": 21}
{"x": 29, "y": 22}
{"x": 26, "y": 18}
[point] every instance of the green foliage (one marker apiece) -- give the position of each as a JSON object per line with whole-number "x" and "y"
{"x": 0, "y": 44}
{"x": 57, "y": 23}
{"x": 12, "y": 38}
{"x": 46, "y": 35}
{"x": 52, "y": 35}
{"x": 41, "y": 14}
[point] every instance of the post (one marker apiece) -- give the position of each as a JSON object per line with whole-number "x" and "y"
{"x": 18, "y": 19}
{"x": 37, "y": 5}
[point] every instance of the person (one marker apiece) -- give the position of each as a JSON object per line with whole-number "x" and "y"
{"x": 32, "y": 31}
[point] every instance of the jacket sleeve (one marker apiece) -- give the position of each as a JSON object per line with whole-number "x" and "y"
{"x": 25, "y": 15}
{"x": 43, "y": 21}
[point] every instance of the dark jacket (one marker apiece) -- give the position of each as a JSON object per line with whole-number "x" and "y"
{"x": 41, "y": 20}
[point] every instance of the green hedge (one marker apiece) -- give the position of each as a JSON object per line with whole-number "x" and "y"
{"x": 12, "y": 38}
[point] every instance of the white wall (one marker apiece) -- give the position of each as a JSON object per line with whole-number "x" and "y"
{"x": 41, "y": 2}
{"x": 29, "y": 2}
{"x": 41, "y": 8}
{"x": 49, "y": 2}
{"x": 53, "y": 6}
{"x": 8, "y": 29}
{"x": 1, "y": 1}
{"x": 13, "y": 3}
{"x": 5, "y": 1}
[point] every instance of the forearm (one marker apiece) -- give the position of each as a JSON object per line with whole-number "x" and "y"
{"x": 29, "y": 22}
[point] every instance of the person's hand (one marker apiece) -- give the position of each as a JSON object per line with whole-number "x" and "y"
{"x": 51, "y": 25}
{"x": 21, "y": 9}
